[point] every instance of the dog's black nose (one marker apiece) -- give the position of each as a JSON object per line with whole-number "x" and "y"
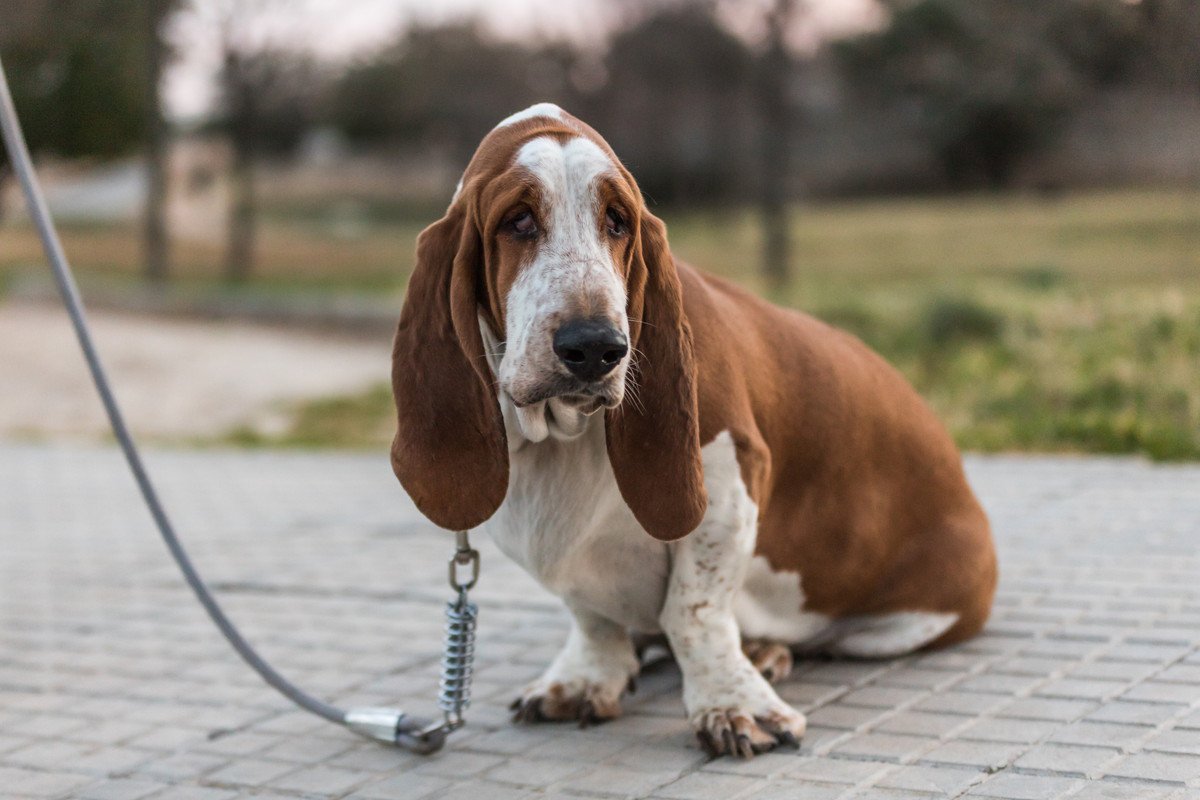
{"x": 590, "y": 348}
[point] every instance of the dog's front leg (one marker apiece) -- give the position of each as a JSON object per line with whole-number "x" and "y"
{"x": 732, "y": 708}
{"x": 585, "y": 681}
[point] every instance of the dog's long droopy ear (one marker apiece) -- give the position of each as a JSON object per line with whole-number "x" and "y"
{"x": 654, "y": 435}
{"x": 449, "y": 452}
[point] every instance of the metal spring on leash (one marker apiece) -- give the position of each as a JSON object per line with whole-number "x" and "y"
{"x": 458, "y": 659}
{"x": 458, "y": 654}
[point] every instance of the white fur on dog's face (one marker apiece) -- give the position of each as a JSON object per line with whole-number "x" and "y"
{"x": 572, "y": 275}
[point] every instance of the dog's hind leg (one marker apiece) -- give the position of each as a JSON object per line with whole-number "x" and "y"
{"x": 888, "y": 635}
{"x": 773, "y": 660}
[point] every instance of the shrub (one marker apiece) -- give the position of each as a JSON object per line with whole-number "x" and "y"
{"x": 952, "y": 320}
{"x": 853, "y": 318}
{"x": 1041, "y": 277}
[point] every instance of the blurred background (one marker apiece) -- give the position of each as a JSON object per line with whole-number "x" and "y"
{"x": 1001, "y": 197}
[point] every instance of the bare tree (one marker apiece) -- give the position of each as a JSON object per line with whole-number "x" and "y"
{"x": 775, "y": 67}
{"x": 237, "y": 114}
{"x": 236, "y": 29}
{"x": 154, "y": 225}
{"x": 676, "y": 105}
{"x": 4, "y": 173}
{"x": 239, "y": 98}
{"x": 1173, "y": 27}
{"x": 268, "y": 93}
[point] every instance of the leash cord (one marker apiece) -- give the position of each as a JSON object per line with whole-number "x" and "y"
{"x": 387, "y": 725}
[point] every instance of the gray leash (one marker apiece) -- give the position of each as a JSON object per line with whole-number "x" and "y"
{"x": 385, "y": 724}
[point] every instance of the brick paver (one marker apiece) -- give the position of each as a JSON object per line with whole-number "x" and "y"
{"x": 113, "y": 684}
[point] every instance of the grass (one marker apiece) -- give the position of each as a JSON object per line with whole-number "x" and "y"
{"x": 356, "y": 421}
{"x": 1069, "y": 324}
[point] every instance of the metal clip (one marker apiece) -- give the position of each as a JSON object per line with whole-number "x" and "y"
{"x": 464, "y": 556}
{"x": 422, "y": 739}
{"x": 395, "y": 727}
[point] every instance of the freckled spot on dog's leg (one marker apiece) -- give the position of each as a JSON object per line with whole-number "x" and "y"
{"x": 732, "y": 708}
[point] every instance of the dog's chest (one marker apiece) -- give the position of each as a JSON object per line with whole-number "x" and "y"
{"x": 564, "y": 521}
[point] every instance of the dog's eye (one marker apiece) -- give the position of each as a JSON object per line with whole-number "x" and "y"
{"x": 523, "y": 225}
{"x": 615, "y": 223}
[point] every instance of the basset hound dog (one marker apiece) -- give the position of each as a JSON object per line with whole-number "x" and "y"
{"x": 666, "y": 452}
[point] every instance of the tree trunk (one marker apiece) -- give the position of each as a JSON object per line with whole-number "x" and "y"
{"x": 239, "y": 253}
{"x": 4, "y": 173}
{"x": 154, "y": 223}
{"x": 774, "y": 147}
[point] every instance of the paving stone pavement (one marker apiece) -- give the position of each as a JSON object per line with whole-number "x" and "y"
{"x": 115, "y": 686}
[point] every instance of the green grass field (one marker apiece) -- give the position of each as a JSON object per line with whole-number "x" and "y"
{"x": 1067, "y": 324}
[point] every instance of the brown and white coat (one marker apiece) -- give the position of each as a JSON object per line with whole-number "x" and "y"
{"x": 735, "y": 473}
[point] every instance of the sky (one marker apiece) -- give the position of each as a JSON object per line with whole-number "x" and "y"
{"x": 337, "y": 30}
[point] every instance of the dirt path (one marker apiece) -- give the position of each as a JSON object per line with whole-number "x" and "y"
{"x": 175, "y": 379}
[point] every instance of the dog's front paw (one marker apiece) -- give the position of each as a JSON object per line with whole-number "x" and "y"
{"x": 581, "y": 700}
{"x": 734, "y": 711}
{"x": 738, "y": 732}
